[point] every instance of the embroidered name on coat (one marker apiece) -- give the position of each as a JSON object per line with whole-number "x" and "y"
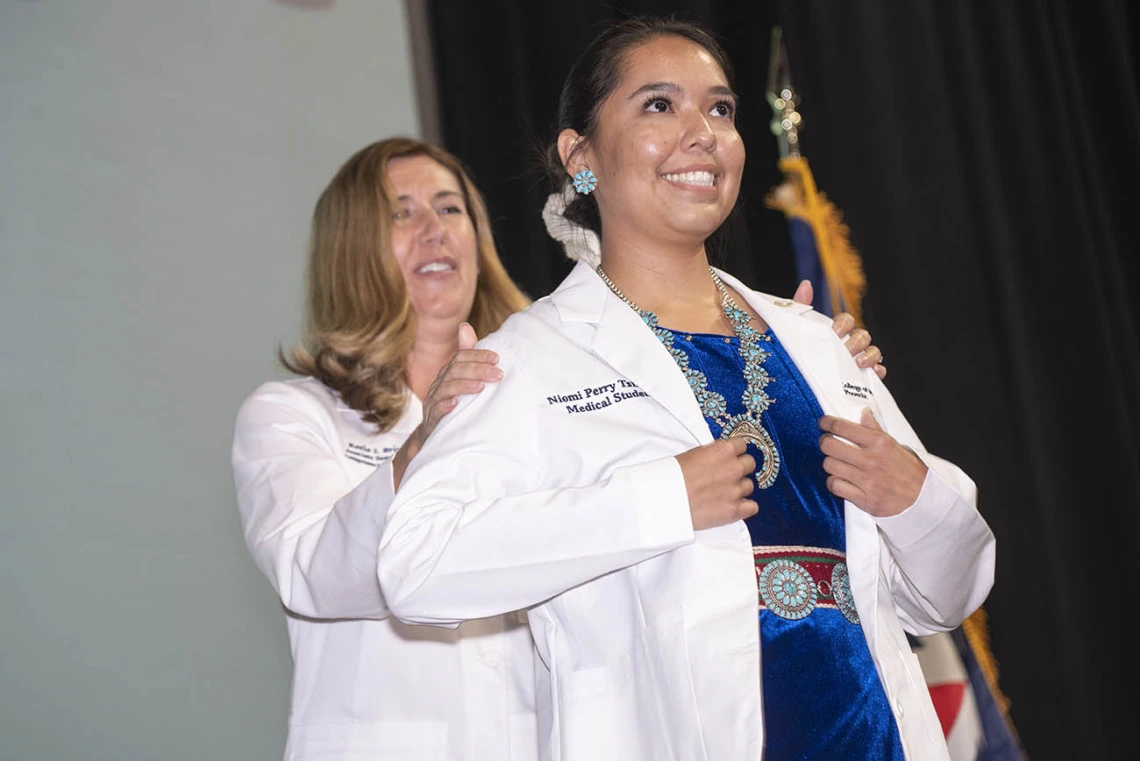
{"x": 366, "y": 455}
{"x": 858, "y": 392}
{"x": 599, "y": 397}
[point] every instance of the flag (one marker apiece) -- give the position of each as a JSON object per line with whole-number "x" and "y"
{"x": 959, "y": 669}
{"x": 962, "y": 679}
{"x": 821, "y": 242}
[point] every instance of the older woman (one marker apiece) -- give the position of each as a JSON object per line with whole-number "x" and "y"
{"x": 672, "y": 458}
{"x": 400, "y": 256}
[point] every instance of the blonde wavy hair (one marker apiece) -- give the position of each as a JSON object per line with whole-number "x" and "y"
{"x": 360, "y": 326}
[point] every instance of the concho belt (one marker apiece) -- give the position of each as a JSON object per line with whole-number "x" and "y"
{"x": 794, "y": 581}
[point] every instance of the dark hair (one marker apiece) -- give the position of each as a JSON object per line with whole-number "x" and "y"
{"x": 594, "y": 76}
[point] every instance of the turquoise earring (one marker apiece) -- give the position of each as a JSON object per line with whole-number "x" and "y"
{"x": 585, "y": 182}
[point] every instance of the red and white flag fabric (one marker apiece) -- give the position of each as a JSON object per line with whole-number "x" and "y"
{"x": 952, "y": 694}
{"x": 961, "y": 675}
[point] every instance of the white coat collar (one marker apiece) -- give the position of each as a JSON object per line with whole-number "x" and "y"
{"x": 620, "y": 339}
{"x": 583, "y": 297}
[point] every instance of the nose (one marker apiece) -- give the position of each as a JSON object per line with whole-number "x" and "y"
{"x": 431, "y": 228}
{"x": 700, "y": 133}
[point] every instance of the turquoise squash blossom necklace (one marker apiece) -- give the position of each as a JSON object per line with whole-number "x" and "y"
{"x": 747, "y": 426}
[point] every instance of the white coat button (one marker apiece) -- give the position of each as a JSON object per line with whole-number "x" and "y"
{"x": 899, "y": 712}
{"x": 492, "y": 659}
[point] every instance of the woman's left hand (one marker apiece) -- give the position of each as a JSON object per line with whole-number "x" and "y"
{"x": 858, "y": 340}
{"x": 870, "y": 469}
{"x": 468, "y": 372}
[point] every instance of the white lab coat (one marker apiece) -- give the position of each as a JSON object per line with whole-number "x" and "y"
{"x": 526, "y": 496}
{"x": 314, "y": 483}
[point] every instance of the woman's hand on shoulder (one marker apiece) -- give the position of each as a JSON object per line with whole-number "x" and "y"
{"x": 866, "y": 466}
{"x": 858, "y": 340}
{"x": 466, "y": 373}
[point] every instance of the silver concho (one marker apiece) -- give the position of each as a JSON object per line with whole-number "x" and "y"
{"x": 787, "y": 589}
{"x": 841, "y": 588}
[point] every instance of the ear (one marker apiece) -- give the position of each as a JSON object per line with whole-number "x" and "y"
{"x": 571, "y": 147}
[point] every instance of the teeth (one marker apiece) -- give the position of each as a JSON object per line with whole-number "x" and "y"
{"x": 704, "y": 179}
{"x": 434, "y": 267}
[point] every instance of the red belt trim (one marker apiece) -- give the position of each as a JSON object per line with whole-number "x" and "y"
{"x": 817, "y": 561}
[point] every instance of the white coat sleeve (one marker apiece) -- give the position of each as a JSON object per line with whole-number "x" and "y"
{"x": 484, "y": 522}
{"x": 939, "y": 553}
{"x": 311, "y": 533}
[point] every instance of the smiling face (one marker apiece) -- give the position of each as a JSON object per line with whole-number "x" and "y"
{"x": 433, "y": 238}
{"x": 665, "y": 150}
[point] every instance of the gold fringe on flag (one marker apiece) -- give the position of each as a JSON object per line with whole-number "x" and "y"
{"x": 978, "y": 636}
{"x": 798, "y": 197}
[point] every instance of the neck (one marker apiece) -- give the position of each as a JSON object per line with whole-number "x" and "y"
{"x": 671, "y": 281}
{"x": 435, "y": 345}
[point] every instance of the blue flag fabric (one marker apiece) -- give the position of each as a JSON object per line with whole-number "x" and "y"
{"x": 808, "y": 266}
{"x": 999, "y": 743}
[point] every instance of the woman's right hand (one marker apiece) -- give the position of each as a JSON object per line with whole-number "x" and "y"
{"x": 466, "y": 373}
{"x": 717, "y": 482}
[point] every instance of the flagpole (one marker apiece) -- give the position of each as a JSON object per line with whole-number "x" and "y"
{"x": 842, "y": 269}
{"x": 783, "y": 98}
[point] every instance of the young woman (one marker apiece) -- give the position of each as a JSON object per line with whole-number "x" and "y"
{"x": 720, "y": 526}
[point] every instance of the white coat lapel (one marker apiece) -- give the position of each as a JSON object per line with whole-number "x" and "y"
{"x": 623, "y": 341}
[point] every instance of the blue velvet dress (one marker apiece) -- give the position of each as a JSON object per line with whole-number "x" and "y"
{"x": 823, "y": 699}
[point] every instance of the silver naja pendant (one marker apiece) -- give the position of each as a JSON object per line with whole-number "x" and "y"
{"x": 743, "y": 427}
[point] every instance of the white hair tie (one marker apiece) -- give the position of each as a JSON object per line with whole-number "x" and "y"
{"x": 579, "y": 243}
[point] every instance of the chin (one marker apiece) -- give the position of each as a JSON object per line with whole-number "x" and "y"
{"x": 444, "y": 310}
{"x": 700, "y": 228}
{"x": 438, "y": 311}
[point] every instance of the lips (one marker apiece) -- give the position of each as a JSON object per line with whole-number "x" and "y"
{"x": 699, "y": 177}
{"x": 434, "y": 266}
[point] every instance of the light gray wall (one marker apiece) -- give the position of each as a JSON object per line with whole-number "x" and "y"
{"x": 159, "y": 160}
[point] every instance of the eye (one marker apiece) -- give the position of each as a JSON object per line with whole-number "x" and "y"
{"x": 453, "y": 208}
{"x": 725, "y": 109}
{"x": 658, "y": 104}
{"x": 401, "y": 215}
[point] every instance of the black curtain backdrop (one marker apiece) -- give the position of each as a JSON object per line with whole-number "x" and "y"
{"x": 985, "y": 156}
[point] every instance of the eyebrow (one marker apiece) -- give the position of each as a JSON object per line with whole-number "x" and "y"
{"x": 675, "y": 88}
{"x": 436, "y": 197}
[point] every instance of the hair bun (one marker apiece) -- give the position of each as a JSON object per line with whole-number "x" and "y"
{"x": 580, "y": 244}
